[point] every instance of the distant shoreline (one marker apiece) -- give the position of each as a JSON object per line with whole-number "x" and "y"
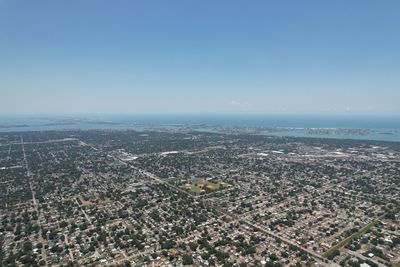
{"x": 374, "y": 128}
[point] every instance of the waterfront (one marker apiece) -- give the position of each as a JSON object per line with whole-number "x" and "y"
{"x": 379, "y": 128}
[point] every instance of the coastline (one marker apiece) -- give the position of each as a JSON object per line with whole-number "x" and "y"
{"x": 359, "y": 128}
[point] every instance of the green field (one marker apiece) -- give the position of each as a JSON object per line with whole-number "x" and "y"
{"x": 202, "y": 186}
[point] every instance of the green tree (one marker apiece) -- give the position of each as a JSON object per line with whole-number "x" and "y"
{"x": 187, "y": 259}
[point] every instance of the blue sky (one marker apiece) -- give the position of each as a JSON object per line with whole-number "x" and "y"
{"x": 186, "y": 56}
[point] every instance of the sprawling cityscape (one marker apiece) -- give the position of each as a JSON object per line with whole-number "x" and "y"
{"x": 204, "y": 133}
{"x": 153, "y": 198}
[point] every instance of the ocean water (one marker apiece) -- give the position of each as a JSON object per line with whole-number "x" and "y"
{"x": 385, "y": 128}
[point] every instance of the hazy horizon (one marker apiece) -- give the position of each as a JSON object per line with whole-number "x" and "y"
{"x": 180, "y": 57}
{"x": 228, "y": 114}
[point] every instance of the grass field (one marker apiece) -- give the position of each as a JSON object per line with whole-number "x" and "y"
{"x": 202, "y": 186}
